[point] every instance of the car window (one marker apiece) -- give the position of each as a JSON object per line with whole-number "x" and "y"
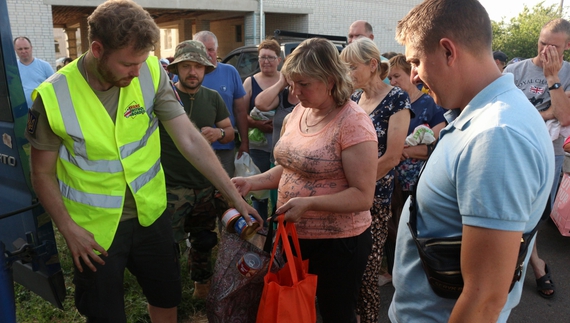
{"x": 233, "y": 60}
{"x": 248, "y": 64}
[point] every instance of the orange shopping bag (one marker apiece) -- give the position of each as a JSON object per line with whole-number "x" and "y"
{"x": 289, "y": 294}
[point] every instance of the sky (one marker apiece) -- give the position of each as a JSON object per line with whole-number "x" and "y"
{"x": 508, "y": 9}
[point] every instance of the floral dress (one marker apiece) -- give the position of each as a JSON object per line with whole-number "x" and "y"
{"x": 369, "y": 298}
{"x": 428, "y": 113}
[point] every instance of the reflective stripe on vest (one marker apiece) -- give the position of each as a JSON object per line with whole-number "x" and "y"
{"x": 101, "y": 158}
{"x": 96, "y": 200}
{"x": 145, "y": 178}
{"x": 80, "y": 160}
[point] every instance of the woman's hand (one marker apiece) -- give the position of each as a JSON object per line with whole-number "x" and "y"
{"x": 266, "y": 126}
{"x": 295, "y": 208}
{"x": 242, "y": 185}
{"x": 404, "y": 154}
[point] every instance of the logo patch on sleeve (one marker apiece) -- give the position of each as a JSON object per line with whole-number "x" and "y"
{"x": 32, "y": 124}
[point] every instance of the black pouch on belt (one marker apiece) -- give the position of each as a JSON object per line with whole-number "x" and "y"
{"x": 441, "y": 258}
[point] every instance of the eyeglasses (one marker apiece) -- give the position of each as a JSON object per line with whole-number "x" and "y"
{"x": 267, "y": 58}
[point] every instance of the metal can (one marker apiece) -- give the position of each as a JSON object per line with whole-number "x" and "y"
{"x": 243, "y": 230}
{"x": 249, "y": 264}
{"x": 229, "y": 219}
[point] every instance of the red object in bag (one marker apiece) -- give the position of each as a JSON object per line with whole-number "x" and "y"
{"x": 289, "y": 294}
{"x": 561, "y": 211}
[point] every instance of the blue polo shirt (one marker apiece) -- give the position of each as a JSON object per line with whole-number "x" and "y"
{"x": 226, "y": 81}
{"x": 493, "y": 168}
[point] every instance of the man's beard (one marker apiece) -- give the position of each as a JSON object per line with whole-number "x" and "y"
{"x": 190, "y": 87}
{"x": 108, "y": 76}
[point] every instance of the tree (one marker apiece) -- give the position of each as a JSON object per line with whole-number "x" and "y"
{"x": 519, "y": 37}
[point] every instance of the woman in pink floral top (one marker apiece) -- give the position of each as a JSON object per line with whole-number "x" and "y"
{"x": 325, "y": 157}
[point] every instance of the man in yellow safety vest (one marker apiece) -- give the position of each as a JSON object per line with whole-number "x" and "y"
{"x": 96, "y": 166}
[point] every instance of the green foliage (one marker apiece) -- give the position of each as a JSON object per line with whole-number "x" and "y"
{"x": 519, "y": 36}
{"x": 32, "y": 308}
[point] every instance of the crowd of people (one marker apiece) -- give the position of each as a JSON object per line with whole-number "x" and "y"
{"x": 355, "y": 146}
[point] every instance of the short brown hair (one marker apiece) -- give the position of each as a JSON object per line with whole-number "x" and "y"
{"x": 318, "y": 58}
{"x": 270, "y": 44}
{"x": 117, "y": 24}
{"x": 400, "y": 62}
{"x": 465, "y": 22}
{"x": 558, "y": 25}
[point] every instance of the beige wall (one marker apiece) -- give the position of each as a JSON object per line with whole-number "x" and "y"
{"x": 332, "y": 17}
{"x": 225, "y": 31}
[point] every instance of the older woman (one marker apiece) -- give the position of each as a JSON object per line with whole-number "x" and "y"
{"x": 426, "y": 112}
{"x": 269, "y": 59}
{"x": 389, "y": 110}
{"x": 325, "y": 156}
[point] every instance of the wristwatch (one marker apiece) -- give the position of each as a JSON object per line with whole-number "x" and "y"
{"x": 555, "y": 86}
{"x": 223, "y": 133}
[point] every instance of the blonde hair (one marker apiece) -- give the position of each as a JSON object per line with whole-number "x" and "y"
{"x": 399, "y": 61}
{"x": 363, "y": 51}
{"x": 318, "y": 58}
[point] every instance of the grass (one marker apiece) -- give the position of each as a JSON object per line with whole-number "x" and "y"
{"x": 31, "y": 308}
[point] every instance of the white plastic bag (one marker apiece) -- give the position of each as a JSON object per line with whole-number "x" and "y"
{"x": 245, "y": 167}
{"x": 555, "y": 129}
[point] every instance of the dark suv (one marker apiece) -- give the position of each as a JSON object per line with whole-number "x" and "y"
{"x": 245, "y": 58}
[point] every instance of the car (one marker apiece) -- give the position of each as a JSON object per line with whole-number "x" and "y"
{"x": 28, "y": 251}
{"x": 245, "y": 58}
{"x": 59, "y": 62}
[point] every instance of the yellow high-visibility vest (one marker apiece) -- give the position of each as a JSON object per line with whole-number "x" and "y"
{"x": 99, "y": 158}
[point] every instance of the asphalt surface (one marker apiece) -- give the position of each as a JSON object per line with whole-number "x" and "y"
{"x": 554, "y": 249}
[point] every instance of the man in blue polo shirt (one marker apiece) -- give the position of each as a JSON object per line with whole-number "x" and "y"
{"x": 225, "y": 79}
{"x": 489, "y": 177}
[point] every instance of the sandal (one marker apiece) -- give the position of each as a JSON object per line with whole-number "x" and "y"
{"x": 542, "y": 285}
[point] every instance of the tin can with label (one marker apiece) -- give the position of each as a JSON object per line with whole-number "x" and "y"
{"x": 249, "y": 264}
{"x": 229, "y": 219}
{"x": 245, "y": 232}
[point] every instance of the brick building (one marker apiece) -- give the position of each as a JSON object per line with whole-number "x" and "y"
{"x": 235, "y": 22}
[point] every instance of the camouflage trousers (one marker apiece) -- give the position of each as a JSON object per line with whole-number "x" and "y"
{"x": 194, "y": 213}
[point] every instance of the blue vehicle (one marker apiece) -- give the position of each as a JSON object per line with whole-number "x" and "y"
{"x": 28, "y": 253}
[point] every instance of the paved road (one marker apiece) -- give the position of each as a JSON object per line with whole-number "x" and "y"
{"x": 555, "y": 250}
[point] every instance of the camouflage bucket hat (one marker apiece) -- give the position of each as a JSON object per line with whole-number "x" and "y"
{"x": 191, "y": 50}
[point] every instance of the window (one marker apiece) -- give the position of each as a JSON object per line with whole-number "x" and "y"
{"x": 167, "y": 38}
{"x": 239, "y": 37}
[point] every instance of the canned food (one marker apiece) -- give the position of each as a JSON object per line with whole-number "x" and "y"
{"x": 229, "y": 219}
{"x": 249, "y": 264}
{"x": 245, "y": 232}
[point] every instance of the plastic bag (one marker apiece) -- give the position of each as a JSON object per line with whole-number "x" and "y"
{"x": 422, "y": 135}
{"x": 255, "y": 135}
{"x": 561, "y": 211}
{"x": 245, "y": 167}
{"x": 288, "y": 294}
